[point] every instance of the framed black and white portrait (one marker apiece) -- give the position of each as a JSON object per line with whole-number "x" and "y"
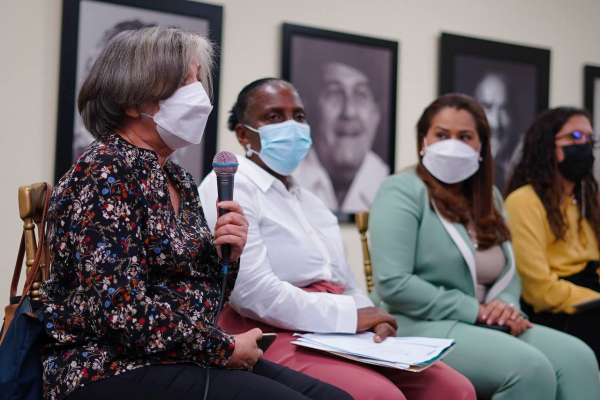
{"x": 591, "y": 101}
{"x": 87, "y": 26}
{"x": 348, "y": 86}
{"x": 511, "y": 82}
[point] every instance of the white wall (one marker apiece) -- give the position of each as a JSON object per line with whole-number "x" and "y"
{"x": 30, "y": 44}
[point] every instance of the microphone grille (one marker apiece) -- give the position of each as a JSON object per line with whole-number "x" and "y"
{"x": 225, "y": 163}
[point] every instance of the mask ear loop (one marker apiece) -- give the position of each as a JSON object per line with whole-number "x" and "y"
{"x": 252, "y": 129}
{"x": 249, "y": 150}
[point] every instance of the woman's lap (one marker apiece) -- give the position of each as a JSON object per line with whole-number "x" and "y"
{"x": 365, "y": 382}
{"x": 503, "y": 366}
{"x": 439, "y": 381}
{"x": 585, "y": 326}
{"x": 359, "y": 380}
{"x": 161, "y": 382}
{"x": 573, "y": 361}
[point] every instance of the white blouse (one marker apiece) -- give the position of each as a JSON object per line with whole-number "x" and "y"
{"x": 293, "y": 241}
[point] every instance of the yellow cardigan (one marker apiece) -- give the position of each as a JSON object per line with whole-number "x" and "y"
{"x": 541, "y": 260}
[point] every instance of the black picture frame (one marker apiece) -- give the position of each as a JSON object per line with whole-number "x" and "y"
{"x": 385, "y": 139}
{"x": 212, "y": 14}
{"x": 456, "y": 52}
{"x": 591, "y": 102}
{"x": 591, "y": 74}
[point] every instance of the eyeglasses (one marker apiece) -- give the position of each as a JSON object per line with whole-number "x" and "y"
{"x": 576, "y": 136}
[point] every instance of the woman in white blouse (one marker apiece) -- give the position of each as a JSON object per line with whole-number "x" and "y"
{"x": 294, "y": 276}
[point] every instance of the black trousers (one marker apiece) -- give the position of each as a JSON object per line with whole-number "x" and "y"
{"x": 187, "y": 382}
{"x": 585, "y": 325}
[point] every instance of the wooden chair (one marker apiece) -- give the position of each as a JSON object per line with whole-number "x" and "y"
{"x": 31, "y": 208}
{"x": 32, "y": 200}
{"x": 362, "y": 223}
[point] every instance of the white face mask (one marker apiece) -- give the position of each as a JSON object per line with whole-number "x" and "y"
{"x": 181, "y": 119}
{"x": 450, "y": 160}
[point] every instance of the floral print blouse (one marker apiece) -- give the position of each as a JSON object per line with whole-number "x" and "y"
{"x": 132, "y": 283}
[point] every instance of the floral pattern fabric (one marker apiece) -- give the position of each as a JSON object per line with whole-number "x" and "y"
{"x": 132, "y": 283}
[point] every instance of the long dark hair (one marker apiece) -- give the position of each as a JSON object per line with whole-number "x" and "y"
{"x": 477, "y": 200}
{"x": 539, "y": 168}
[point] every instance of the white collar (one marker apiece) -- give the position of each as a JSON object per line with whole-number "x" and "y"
{"x": 263, "y": 179}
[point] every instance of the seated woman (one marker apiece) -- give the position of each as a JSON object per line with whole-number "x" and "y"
{"x": 294, "y": 275}
{"x": 133, "y": 290}
{"x": 554, "y": 214}
{"x": 443, "y": 265}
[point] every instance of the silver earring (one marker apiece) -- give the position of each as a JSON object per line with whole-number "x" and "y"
{"x": 480, "y": 159}
{"x": 248, "y": 150}
{"x": 422, "y": 153}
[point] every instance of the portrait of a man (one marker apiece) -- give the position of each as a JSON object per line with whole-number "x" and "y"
{"x": 101, "y": 21}
{"x": 511, "y": 82}
{"x": 492, "y": 93}
{"x": 81, "y": 137}
{"x": 346, "y": 90}
{"x": 506, "y": 91}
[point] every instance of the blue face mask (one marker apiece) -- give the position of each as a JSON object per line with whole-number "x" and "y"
{"x": 282, "y": 146}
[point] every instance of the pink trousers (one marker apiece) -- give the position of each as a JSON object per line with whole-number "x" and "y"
{"x": 361, "y": 381}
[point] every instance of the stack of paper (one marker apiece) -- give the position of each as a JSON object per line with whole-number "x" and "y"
{"x": 408, "y": 353}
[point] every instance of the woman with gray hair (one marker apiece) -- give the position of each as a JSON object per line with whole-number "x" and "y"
{"x": 130, "y": 303}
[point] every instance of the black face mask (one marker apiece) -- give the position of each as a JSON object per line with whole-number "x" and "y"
{"x": 578, "y": 162}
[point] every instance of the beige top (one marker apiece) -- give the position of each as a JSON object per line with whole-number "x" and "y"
{"x": 489, "y": 264}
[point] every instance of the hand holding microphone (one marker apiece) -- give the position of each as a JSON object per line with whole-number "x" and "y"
{"x": 231, "y": 229}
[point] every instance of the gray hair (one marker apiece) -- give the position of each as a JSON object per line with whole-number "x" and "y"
{"x": 139, "y": 66}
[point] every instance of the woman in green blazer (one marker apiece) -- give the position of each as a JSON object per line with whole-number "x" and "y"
{"x": 443, "y": 263}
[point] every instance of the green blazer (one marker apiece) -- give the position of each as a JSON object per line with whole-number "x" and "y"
{"x": 420, "y": 274}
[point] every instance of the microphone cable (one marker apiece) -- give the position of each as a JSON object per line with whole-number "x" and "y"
{"x": 219, "y": 308}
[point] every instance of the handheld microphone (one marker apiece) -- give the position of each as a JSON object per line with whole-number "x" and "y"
{"x": 225, "y": 165}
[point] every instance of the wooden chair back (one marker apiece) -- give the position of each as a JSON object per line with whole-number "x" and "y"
{"x": 362, "y": 223}
{"x": 31, "y": 208}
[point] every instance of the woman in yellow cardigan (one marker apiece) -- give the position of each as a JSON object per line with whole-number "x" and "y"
{"x": 443, "y": 266}
{"x": 554, "y": 216}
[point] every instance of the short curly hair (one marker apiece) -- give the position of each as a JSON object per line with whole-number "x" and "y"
{"x": 237, "y": 114}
